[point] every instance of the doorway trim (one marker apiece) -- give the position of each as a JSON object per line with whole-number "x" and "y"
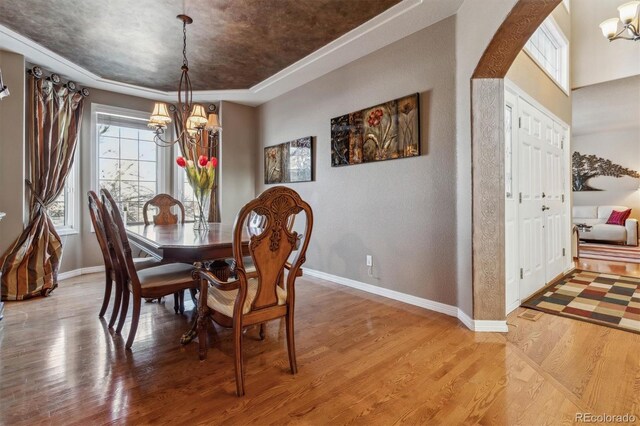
{"x": 487, "y": 146}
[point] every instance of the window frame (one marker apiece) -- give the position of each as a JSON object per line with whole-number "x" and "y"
{"x": 162, "y": 171}
{"x": 178, "y": 179}
{"x": 71, "y": 205}
{"x": 551, "y": 26}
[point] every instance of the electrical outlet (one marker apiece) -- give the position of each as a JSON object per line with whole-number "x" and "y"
{"x": 369, "y": 260}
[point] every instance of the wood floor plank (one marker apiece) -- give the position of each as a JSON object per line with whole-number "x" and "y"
{"x": 362, "y": 359}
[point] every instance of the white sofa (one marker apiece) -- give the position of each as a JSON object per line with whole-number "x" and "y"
{"x": 596, "y": 217}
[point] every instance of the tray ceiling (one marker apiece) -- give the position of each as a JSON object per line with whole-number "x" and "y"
{"x": 232, "y": 44}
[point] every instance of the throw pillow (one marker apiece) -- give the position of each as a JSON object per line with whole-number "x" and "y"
{"x": 618, "y": 218}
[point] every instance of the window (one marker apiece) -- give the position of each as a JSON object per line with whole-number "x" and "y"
{"x": 548, "y": 47}
{"x": 184, "y": 190}
{"x": 62, "y": 210}
{"x": 127, "y": 159}
{"x": 508, "y": 151}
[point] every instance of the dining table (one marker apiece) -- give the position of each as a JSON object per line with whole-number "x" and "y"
{"x": 183, "y": 243}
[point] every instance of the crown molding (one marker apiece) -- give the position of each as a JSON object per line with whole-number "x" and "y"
{"x": 397, "y": 22}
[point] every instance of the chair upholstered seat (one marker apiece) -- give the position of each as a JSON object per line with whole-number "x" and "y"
{"x": 168, "y": 274}
{"x": 223, "y": 301}
{"x": 145, "y": 262}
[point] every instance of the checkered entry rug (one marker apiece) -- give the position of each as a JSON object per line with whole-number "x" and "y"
{"x": 605, "y": 299}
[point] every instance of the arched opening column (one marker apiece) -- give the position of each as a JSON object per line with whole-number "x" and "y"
{"x": 487, "y": 138}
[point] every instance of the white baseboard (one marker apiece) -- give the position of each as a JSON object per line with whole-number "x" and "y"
{"x": 81, "y": 271}
{"x": 391, "y": 294}
{"x": 453, "y": 311}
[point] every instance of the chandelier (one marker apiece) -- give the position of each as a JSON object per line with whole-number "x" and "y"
{"x": 629, "y": 18}
{"x": 194, "y": 118}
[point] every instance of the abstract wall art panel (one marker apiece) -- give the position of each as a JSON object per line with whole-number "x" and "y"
{"x": 289, "y": 162}
{"x": 383, "y": 132}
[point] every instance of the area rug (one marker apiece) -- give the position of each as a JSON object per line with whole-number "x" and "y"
{"x": 604, "y": 299}
{"x": 610, "y": 252}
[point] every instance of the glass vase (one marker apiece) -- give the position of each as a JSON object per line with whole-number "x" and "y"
{"x": 202, "y": 208}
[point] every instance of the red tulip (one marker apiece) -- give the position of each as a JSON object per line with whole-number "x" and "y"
{"x": 181, "y": 162}
{"x": 214, "y": 161}
{"x": 202, "y": 161}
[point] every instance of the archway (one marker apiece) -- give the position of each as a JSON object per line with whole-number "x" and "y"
{"x": 487, "y": 139}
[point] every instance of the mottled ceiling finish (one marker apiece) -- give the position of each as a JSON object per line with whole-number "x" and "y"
{"x": 232, "y": 44}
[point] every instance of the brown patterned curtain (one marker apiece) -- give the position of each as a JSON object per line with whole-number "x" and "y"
{"x": 207, "y": 146}
{"x": 30, "y": 266}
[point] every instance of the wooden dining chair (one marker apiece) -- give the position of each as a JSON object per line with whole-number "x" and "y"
{"x": 150, "y": 283}
{"x": 255, "y": 225}
{"x": 164, "y": 203}
{"x": 96, "y": 212}
{"x": 255, "y": 298}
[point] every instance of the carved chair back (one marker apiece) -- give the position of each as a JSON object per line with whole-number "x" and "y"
{"x": 96, "y": 212}
{"x": 271, "y": 248}
{"x": 256, "y": 223}
{"x": 117, "y": 234}
{"x": 164, "y": 203}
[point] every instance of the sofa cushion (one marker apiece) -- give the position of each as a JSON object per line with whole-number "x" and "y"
{"x": 605, "y": 211}
{"x": 604, "y": 232}
{"x": 585, "y": 212}
{"x": 618, "y": 217}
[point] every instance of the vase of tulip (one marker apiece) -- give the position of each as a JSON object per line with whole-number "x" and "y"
{"x": 201, "y": 177}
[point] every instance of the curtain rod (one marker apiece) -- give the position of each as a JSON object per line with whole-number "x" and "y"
{"x": 37, "y": 72}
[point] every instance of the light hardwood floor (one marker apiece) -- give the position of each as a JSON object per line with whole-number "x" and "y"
{"x": 362, "y": 359}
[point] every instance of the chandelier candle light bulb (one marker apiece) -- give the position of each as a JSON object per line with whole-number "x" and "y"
{"x": 609, "y": 27}
{"x": 629, "y": 17}
{"x": 628, "y": 12}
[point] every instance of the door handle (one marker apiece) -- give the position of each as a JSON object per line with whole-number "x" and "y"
{"x": 545, "y": 208}
{"x": 544, "y": 195}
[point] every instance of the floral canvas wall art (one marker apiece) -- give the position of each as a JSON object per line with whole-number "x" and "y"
{"x": 289, "y": 162}
{"x": 383, "y": 132}
{"x": 273, "y": 164}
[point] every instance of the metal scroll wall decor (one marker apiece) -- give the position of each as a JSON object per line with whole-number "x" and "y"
{"x": 586, "y": 167}
{"x": 383, "y": 132}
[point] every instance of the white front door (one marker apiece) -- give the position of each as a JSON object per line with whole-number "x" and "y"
{"x": 553, "y": 198}
{"x": 531, "y": 170}
{"x": 537, "y": 219}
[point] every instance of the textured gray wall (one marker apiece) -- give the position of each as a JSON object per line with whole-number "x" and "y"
{"x": 12, "y": 149}
{"x": 401, "y": 211}
{"x": 238, "y": 159}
